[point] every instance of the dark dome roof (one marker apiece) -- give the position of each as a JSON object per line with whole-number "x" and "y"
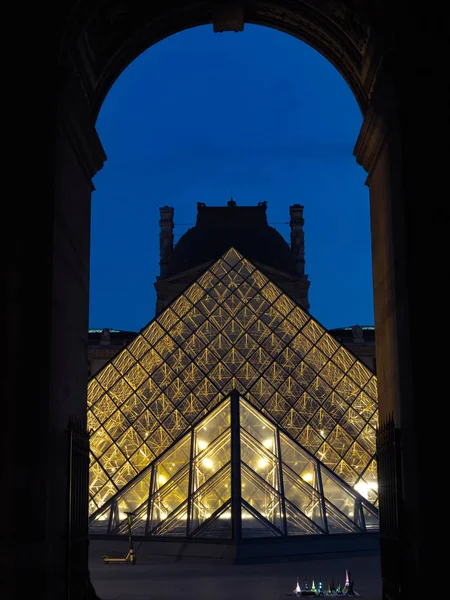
{"x": 206, "y": 242}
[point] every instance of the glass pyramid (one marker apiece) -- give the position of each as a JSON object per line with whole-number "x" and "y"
{"x": 232, "y": 329}
{"x": 236, "y": 475}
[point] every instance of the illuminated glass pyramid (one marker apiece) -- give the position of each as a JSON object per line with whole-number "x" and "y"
{"x": 232, "y": 329}
{"x": 235, "y": 475}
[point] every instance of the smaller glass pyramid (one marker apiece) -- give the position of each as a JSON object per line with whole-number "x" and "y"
{"x": 235, "y": 474}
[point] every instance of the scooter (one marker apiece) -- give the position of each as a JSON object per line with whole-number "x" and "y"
{"x": 130, "y": 556}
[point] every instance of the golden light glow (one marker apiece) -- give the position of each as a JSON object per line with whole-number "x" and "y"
{"x": 232, "y": 328}
{"x": 162, "y": 479}
{"x": 307, "y": 476}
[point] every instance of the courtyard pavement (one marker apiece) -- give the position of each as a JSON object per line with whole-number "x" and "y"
{"x": 169, "y": 579}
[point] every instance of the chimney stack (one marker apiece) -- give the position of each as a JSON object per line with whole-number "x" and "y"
{"x": 297, "y": 237}
{"x": 165, "y": 238}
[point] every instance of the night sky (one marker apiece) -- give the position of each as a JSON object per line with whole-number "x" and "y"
{"x": 199, "y": 117}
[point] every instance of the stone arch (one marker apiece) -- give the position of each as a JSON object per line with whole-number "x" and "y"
{"x": 110, "y": 35}
{"x": 91, "y": 42}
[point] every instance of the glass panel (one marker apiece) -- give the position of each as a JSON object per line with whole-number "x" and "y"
{"x": 175, "y": 424}
{"x": 100, "y": 524}
{"x": 123, "y": 361}
{"x": 120, "y": 391}
{"x": 152, "y": 332}
{"x": 260, "y": 460}
{"x": 335, "y": 493}
{"x": 191, "y": 376}
{"x": 357, "y": 457}
{"x": 132, "y": 408}
{"x": 276, "y": 407}
{"x": 92, "y": 422}
{"x": 291, "y": 390}
{"x": 335, "y": 405}
{"x": 364, "y": 405}
{"x": 169, "y": 497}
{"x": 151, "y": 359}
{"x": 193, "y": 346}
{"x": 207, "y": 280}
{"x": 97, "y": 478}
{"x": 211, "y": 460}
{"x": 165, "y": 347}
{"x": 176, "y": 525}
{"x": 346, "y": 473}
{"x": 257, "y": 426}
{"x": 331, "y": 374}
{"x": 172, "y": 462}
{"x": 161, "y": 407}
{"x": 288, "y": 359}
{"x": 254, "y": 528}
{"x": 232, "y": 257}
{"x": 219, "y": 292}
{"x": 95, "y": 390}
{"x": 323, "y": 423}
{"x": 211, "y": 496}
{"x": 190, "y": 408}
{"x": 100, "y": 442}
{"x": 112, "y": 460}
{"x": 328, "y": 456}
{"x": 303, "y": 497}
{"x": 116, "y": 425}
{"x": 297, "y": 523}
{"x": 211, "y": 427}
{"x": 138, "y": 493}
{"x": 194, "y": 292}
{"x": 124, "y": 475}
{"x": 301, "y": 463}
{"x": 159, "y": 441}
{"x": 181, "y": 306}
{"x": 306, "y": 406}
{"x": 142, "y": 458}
{"x": 265, "y": 500}
{"x": 360, "y": 373}
{"x": 298, "y": 317}
{"x": 309, "y": 439}
{"x": 348, "y": 390}
{"x": 371, "y": 520}
{"x": 139, "y": 522}
{"x": 129, "y": 442}
{"x": 293, "y": 423}
{"x": 178, "y": 360}
{"x": 328, "y": 345}
{"x": 219, "y": 527}
{"x": 262, "y": 390}
{"x": 338, "y": 523}
{"x": 107, "y": 376}
{"x": 138, "y": 347}
{"x": 233, "y": 360}
{"x": 104, "y": 408}
{"x": 352, "y": 422}
{"x": 372, "y": 388}
{"x": 108, "y": 490}
{"x": 145, "y": 424}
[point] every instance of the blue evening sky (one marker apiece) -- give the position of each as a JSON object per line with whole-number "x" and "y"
{"x": 200, "y": 116}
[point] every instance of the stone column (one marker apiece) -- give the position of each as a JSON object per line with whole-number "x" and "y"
{"x": 394, "y": 148}
{"x": 166, "y": 225}
{"x": 47, "y": 319}
{"x": 297, "y": 237}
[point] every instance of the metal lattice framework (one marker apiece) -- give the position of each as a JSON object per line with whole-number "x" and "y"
{"x": 235, "y": 475}
{"x": 232, "y": 329}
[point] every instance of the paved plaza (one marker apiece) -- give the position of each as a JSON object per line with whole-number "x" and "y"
{"x": 170, "y": 579}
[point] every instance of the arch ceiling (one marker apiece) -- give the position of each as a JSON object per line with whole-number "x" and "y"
{"x": 104, "y": 37}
